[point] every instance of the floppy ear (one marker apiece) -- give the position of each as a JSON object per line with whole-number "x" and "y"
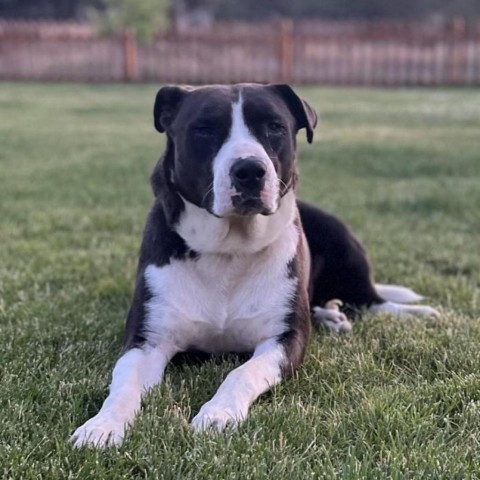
{"x": 167, "y": 101}
{"x": 304, "y": 114}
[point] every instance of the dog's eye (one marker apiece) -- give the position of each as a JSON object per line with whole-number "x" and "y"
{"x": 275, "y": 128}
{"x": 203, "y": 131}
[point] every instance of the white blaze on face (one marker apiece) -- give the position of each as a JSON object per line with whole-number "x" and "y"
{"x": 241, "y": 144}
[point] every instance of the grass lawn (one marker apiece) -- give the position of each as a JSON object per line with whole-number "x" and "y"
{"x": 396, "y": 399}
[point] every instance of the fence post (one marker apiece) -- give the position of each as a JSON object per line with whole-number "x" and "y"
{"x": 129, "y": 55}
{"x": 286, "y": 50}
{"x": 458, "y": 50}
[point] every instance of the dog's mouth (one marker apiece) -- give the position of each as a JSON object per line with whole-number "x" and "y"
{"x": 233, "y": 202}
{"x": 246, "y": 205}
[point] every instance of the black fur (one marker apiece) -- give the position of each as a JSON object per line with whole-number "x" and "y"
{"x": 197, "y": 123}
{"x": 339, "y": 264}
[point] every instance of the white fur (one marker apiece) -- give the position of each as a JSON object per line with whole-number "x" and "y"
{"x": 134, "y": 373}
{"x": 241, "y": 388}
{"x": 228, "y": 301}
{"x": 206, "y": 233}
{"x": 397, "y": 293}
{"x": 404, "y": 310}
{"x": 241, "y": 144}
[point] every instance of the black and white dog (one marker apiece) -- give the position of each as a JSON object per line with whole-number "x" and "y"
{"x": 230, "y": 260}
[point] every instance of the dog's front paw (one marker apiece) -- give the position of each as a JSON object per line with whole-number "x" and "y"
{"x": 217, "y": 417}
{"x": 100, "y": 431}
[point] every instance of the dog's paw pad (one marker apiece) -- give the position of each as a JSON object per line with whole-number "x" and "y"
{"x": 99, "y": 432}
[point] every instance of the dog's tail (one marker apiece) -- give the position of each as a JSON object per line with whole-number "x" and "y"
{"x": 397, "y": 293}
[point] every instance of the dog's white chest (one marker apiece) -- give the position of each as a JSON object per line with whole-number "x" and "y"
{"x": 221, "y": 302}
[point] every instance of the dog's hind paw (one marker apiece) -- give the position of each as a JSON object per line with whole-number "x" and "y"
{"x": 331, "y": 317}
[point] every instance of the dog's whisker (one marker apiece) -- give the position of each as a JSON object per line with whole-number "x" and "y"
{"x": 283, "y": 183}
{"x": 210, "y": 190}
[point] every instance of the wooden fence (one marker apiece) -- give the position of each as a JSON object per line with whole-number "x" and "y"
{"x": 348, "y": 53}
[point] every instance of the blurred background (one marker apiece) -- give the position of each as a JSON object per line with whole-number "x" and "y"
{"x": 361, "y": 42}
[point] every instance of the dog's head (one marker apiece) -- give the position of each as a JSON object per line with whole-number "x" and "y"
{"x": 231, "y": 149}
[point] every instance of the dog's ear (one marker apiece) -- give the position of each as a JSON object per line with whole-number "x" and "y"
{"x": 167, "y": 102}
{"x": 304, "y": 114}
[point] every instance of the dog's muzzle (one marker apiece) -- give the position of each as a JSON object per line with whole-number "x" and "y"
{"x": 248, "y": 180}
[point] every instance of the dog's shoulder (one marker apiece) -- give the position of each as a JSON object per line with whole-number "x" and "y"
{"x": 161, "y": 243}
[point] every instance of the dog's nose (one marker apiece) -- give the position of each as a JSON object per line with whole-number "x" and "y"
{"x": 248, "y": 173}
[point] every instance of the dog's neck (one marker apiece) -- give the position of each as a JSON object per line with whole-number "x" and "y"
{"x": 206, "y": 233}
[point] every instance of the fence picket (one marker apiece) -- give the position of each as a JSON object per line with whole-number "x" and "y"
{"x": 350, "y": 53}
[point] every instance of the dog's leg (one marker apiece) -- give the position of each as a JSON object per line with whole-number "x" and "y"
{"x": 229, "y": 406}
{"x": 397, "y": 293}
{"x": 404, "y": 310}
{"x": 395, "y": 296}
{"x": 135, "y": 372}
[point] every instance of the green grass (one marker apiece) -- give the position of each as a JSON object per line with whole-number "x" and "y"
{"x": 396, "y": 399}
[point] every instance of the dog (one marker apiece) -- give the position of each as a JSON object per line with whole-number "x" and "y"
{"x": 230, "y": 260}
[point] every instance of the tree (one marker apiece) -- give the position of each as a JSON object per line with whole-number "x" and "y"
{"x": 144, "y": 17}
